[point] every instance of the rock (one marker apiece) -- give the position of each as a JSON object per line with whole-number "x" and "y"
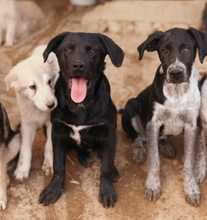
{"x": 148, "y": 16}
{"x": 114, "y": 27}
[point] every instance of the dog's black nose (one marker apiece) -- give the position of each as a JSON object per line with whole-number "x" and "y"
{"x": 50, "y": 106}
{"x": 176, "y": 74}
{"x": 78, "y": 65}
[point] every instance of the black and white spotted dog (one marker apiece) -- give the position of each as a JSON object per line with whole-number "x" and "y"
{"x": 169, "y": 106}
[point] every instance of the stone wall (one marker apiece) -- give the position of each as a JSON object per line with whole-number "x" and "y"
{"x": 143, "y": 17}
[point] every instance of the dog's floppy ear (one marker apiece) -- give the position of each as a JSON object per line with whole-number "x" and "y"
{"x": 150, "y": 43}
{"x": 11, "y": 80}
{"x": 201, "y": 42}
{"x": 53, "y": 45}
{"x": 116, "y": 54}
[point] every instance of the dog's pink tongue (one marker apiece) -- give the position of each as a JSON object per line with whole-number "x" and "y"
{"x": 78, "y": 89}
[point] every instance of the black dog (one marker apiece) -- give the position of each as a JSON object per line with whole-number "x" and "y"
{"x": 85, "y": 117}
{"x": 9, "y": 147}
{"x": 169, "y": 106}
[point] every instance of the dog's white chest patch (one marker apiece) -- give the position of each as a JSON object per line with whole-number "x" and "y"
{"x": 75, "y": 134}
{"x": 174, "y": 120}
{"x": 181, "y": 108}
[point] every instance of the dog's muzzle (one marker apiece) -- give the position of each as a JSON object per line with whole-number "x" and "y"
{"x": 176, "y": 76}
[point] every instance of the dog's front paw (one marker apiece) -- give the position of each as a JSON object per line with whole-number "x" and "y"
{"x": 21, "y": 173}
{"x": 85, "y": 159}
{"x": 107, "y": 197}
{"x": 194, "y": 199}
{"x": 47, "y": 168}
{"x": 193, "y": 195}
{"x": 153, "y": 190}
{"x": 53, "y": 191}
{"x": 49, "y": 196}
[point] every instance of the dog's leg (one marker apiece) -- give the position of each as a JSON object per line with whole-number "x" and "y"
{"x": 131, "y": 124}
{"x": 200, "y": 156}
{"x": 191, "y": 188}
{"x": 153, "y": 183}
{"x": 116, "y": 172}
{"x": 54, "y": 190}
{"x": 4, "y": 179}
{"x": 10, "y": 33}
{"x": 166, "y": 149}
{"x": 107, "y": 195}
{"x": 47, "y": 166}
{"x": 24, "y": 163}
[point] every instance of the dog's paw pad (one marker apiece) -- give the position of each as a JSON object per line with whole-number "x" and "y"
{"x": 194, "y": 199}
{"x": 139, "y": 154}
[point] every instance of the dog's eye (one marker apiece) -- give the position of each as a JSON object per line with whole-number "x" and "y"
{"x": 187, "y": 48}
{"x": 33, "y": 87}
{"x": 164, "y": 50}
{"x": 50, "y": 84}
{"x": 92, "y": 50}
{"x": 67, "y": 50}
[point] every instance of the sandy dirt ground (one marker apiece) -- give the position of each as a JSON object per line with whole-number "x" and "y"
{"x": 80, "y": 197}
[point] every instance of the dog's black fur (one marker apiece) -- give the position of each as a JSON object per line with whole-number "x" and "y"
{"x": 6, "y": 133}
{"x": 82, "y": 55}
{"x": 177, "y": 50}
{"x": 9, "y": 147}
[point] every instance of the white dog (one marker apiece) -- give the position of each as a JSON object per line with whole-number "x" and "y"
{"x": 9, "y": 147}
{"x": 33, "y": 82}
{"x": 10, "y": 18}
